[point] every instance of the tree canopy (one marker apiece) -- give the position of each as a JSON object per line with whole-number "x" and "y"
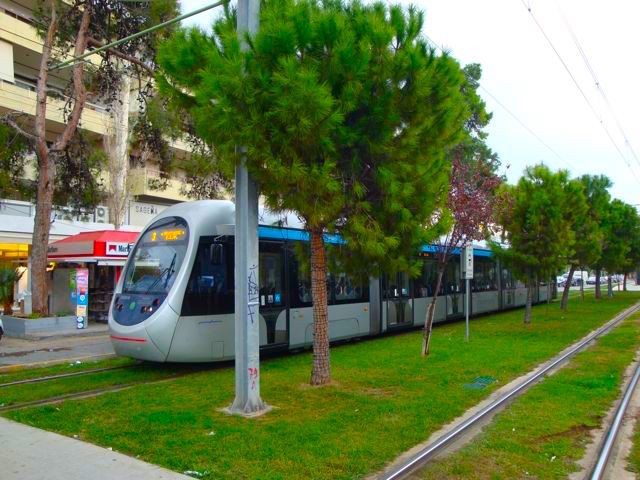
{"x": 346, "y": 113}
{"x": 535, "y": 215}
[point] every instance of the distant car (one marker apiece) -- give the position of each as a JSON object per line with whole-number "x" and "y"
{"x": 591, "y": 281}
{"x": 560, "y": 281}
{"x": 1, "y": 329}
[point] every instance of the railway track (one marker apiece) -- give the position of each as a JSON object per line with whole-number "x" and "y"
{"x": 65, "y": 375}
{"x": 408, "y": 466}
{"x": 91, "y": 393}
{"x": 604, "y": 455}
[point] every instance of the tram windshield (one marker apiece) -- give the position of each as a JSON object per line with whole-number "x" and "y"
{"x": 157, "y": 257}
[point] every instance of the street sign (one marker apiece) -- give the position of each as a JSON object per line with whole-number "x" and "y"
{"x": 466, "y": 260}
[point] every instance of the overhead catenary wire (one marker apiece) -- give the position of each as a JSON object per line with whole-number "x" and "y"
{"x": 513, "y": 115}
{"x": 577, "y": 85}
{"x": 597, "y": 83}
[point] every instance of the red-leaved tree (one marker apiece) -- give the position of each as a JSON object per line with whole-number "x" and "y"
{"x": 473, "y": 184}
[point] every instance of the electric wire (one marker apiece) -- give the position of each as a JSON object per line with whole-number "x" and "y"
{"x": 584, "y": 96}
{"x": 513, "y": 115}
{"x": 597, "y": 83}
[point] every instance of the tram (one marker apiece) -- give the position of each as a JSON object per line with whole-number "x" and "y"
{"x": 174, "y": 301}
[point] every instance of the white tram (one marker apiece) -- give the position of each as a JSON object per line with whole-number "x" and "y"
{"x": 175, "y": 299}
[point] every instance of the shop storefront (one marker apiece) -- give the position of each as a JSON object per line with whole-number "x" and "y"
{"x": 102, "y": 254}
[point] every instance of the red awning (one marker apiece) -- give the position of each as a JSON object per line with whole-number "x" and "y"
{"x": 93, "y": 246}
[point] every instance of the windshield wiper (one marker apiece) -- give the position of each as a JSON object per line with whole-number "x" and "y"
{"x": 171, "y": 270}
{"x": 162, "y": 274}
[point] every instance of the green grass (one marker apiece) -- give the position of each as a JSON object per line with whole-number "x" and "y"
{"x": 66, "y": 367}
{"x": 633, "y": 460}
{"x": 53, "y": 388}
{"x": 544, "y": 432}
{"x": 384, "y": 400}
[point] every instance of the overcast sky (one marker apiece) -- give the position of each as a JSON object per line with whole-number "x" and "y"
{"x": 521, "y": 70}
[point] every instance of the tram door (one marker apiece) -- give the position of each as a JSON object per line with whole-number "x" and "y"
{"x": 273, "y": 302}
{"x": 399, "y": 301}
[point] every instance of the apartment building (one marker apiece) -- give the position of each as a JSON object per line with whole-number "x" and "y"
{"x": 20, "y": 54}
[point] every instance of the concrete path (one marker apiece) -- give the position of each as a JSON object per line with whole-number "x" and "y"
{"x": 16, "y": 351}
{"x": 30, "y": 453}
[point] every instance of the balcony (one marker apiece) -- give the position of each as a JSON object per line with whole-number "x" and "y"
{"x": 142, "y": 178}
{"x": 21, "y": 97}
{"x": 17, "y": 28}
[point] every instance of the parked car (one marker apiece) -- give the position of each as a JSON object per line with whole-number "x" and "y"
{"x": 560, "y": 281}
{"x": 591, "y": 280}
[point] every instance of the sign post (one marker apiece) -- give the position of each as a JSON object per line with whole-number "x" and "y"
{"x": 247, "y": 319}
{"x": 466, "y": 263}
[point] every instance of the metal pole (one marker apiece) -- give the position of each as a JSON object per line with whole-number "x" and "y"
{"x": 466, "y": 311}
{"x": 247, "y": 318}
{"x": 72, "y": 61}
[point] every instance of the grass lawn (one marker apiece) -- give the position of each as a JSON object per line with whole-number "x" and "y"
{"x": 65, "y": 367}
{"x": 543, "y": 433}
{"x": 384, "y": 400}
{"x": 53, "y": 388}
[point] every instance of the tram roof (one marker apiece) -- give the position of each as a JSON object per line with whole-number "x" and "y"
{"x": 285, "y": 226}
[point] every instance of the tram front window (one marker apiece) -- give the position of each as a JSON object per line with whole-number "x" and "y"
{"x": 157, "y": 257}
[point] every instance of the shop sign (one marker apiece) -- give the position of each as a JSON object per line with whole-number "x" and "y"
{"x": 142, "y": 213}
{"x": 117, "y": 249}
{"x": 70, "y": 248}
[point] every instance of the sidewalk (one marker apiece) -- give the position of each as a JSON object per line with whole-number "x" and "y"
{"x": 28, "y": 452}
{"x": 17, "y": 351}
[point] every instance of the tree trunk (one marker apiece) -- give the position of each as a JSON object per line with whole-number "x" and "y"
{"x": 41, "y": 225}
{"x": 624, "y": 283}
{"x": 609, "y": 287}
{"x": 527, "y": 308}
{"x": 550, "y": 289}
{"x": 321, "y": 372}
{"x": 598, "y": 292}
{"x": 47, "y": 156}
{"x": 116, "y": 144}
{"x": 582, "y": 283}
{"x": 428, "y": 321}
{"x": 567, "y": 286}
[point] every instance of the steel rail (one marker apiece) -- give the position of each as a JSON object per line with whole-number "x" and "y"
{"x": 605, "y": 453}
{"x": 64, "y": 375}
{"x": 433, "y": 448}
{"x": 89, "y": 393}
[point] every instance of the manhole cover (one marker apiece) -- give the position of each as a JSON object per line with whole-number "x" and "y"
{"x": 480, "y": 382}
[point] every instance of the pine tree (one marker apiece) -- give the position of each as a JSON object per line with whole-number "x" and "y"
{"x": 346, "y": 114}
{"x": 535, "y": 216}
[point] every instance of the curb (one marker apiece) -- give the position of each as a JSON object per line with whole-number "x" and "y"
{"x": 50, "y": 363}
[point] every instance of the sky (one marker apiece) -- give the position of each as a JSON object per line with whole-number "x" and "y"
{"x": 521, "y": 70}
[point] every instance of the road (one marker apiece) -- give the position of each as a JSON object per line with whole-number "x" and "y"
{"x": 15, "y": 351}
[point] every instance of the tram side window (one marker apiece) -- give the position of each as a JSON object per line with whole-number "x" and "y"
{"x": 349, "y": 290}
{"x": 507, "y": 279}
{"x": 271, "y": 275}
{"x": 484, "y": 275}
{"x": 425, "y": 284}
{"x": 210, "y": 290}
{"x": 300, "y": 278}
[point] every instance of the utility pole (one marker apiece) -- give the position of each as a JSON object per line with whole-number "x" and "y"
{"x": 247, "y": 319}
